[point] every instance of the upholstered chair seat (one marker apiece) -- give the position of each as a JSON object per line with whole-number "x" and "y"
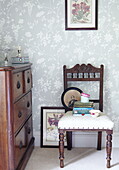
{"x": 68, "y": 121}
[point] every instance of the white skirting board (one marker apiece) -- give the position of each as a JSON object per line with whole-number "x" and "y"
{"x": 87, "y": 139}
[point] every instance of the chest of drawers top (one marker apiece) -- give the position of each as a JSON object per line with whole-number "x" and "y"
{"x": 15, "y": 67}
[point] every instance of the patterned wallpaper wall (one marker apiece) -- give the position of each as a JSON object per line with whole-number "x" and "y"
{"x": 39, "y": 27}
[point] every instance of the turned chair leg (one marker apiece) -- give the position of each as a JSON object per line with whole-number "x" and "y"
{"x": 61, "y": 148}
{"x": 109, "y": 147}
{"x": 69, "y": 140}
{"x": 99, "y": 141}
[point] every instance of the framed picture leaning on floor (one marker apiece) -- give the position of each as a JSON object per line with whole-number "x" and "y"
{"x": 49, "y": 126}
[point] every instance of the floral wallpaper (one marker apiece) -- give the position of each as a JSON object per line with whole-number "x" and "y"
{"x": 39, "y": 28}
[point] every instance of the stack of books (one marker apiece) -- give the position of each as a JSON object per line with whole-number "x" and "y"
{"x": 82, "y": 109}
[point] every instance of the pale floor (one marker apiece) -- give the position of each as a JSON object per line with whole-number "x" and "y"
{"x": 76, "y": 159}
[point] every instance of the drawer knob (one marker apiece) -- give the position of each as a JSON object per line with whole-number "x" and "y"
{"x": 18, "y": 85}
{"x": 19, "y": 114}
{"x": 28, "y": 80}
{"x": 29, "y": 130}
{"x": 20, "y": 145}
{"x": 28, "y": 104}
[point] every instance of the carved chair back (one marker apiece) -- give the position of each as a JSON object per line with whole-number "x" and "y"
{"x": 85, "y": 72}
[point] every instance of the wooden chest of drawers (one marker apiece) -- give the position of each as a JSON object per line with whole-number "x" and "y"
{"x": 16, "y": 131}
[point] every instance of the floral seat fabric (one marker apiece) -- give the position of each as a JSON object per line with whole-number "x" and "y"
{"x": 68, "y": 121}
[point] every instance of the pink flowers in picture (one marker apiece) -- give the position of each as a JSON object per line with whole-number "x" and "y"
{"x": 81, "y": 11}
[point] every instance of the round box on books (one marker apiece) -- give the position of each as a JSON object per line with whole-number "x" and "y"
{"x": 69, "y": 96}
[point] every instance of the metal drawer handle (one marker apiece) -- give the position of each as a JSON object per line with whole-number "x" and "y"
{"x": 28, "y": 80}
{"x": 19, "y": 114}
{"x": 28, "y": 104}
{"x": 18, "y": 85}
{"x": 20, "y": 145}
{"x": 29, "y": 130}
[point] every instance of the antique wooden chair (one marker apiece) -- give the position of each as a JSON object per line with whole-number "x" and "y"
{"x": 69, "y": 123}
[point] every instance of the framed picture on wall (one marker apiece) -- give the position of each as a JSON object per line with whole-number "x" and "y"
{"x": 81, "y": 14}
{"x": 49, "y": 126}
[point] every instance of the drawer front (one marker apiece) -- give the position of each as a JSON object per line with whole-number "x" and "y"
{"x": 28, "y": 80}
{"x": 17, "y": 84}
{"x": 29, "y": 130}
{"x": 22, "y": 140}
{"x": 22, "y": 109}
{"x": 20, "y": 145}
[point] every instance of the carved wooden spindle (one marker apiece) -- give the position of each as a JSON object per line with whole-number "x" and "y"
{"x": 61, "y": 149}
{"x": 84, "y": 75}
{"x": 108, "y": 148}
{"x": 71, "y": 75}
{"x": 94, "y": 75}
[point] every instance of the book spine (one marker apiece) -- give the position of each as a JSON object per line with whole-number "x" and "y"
{"x": 83, "y": 108}
{"x": 80, "y": 104}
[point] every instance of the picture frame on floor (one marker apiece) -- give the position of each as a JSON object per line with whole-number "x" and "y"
{"x": 81, "y": 14}
{"x": 49, "y": 126}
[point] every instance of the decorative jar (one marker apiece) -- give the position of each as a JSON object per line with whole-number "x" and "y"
{"x": 85, "y": 97}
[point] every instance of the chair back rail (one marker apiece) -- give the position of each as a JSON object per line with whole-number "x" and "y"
{"x": 85, "y": 72}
